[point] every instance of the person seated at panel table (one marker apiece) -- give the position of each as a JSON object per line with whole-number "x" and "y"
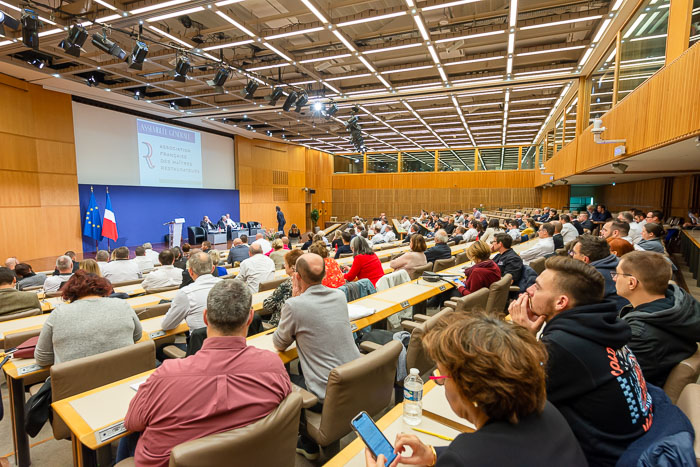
{"x": 316, "y": 317}
{"x": 182, "y": 399}
{"x": 13, "y": 300}
{"x": 665, "y": 319}
{"x": 592, "y": 376}
{"x": 165, "y": 276}
{"x": 494, "y": 377}
{"x": 334, "y": 275}
{"x": 482, "y": 273}
{"x": 122, "y": 269}
{"x": 89, "y": 324}
{"x": 26, "y": 277}
{"x": 273, "y": 303}
{"x": 64, "y": 265}
{"x": 207, "y": 225}
{"x": 413, "y": 259}
{"x": 365, "y": 263}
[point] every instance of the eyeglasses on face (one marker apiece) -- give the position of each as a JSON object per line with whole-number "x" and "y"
{"x": 615, "y": 274}
{"x": 438, "y": 378}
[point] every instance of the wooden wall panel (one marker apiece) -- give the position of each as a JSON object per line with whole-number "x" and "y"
{"x": 38, "y": 170}
{"x": 556, "y": 197}
{"x": 645, "y": 195}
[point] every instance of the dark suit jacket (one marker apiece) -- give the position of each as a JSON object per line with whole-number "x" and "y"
{"x": 76, "y": 266}
{"x": 14, "y": 301}
{"x": 439, "y": 251}
{"x": 207, "y": 226}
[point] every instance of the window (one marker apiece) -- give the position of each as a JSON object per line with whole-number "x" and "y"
{"x": 602, "y": 83}
{"x": 695, "y": 23}
{"x": 498, "y": 158}
{"x": 559, "y": 134}
{"x": 527, "y": 160}
{"x": 456, "y": 160}
{"x": 418, "y": 161}
{"x": 570, "y": 121}
{"x": 348, "y": 164}
{"x": 643, "y": 45}
{"x": 383, "y": 163}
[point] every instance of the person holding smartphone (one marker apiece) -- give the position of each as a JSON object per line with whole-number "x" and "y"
{"x": 494, "y": 377}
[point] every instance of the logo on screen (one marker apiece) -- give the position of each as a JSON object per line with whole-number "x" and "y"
{"x": 148, "y": 155}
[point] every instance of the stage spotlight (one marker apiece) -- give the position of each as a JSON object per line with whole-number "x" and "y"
{"x": 332, "y": 109}
{"x": 138, "y": 94}
{"x": 182, "y": 67}
{"x": 318, "y": 107}
{"x": 138, "y": 55}
{"x": 30, "y": 26}
{"x": 91, "y": 81}
{"x": 101, "y": 42}
{"x": 301, "y": 102}
{"x": 220, "y": 79}
{"x": 75, "y": 40}
{"x": 9, "y": 21}
{"x": 289, "y": 102}
{"x": 174, "y": 106}
{"x": 250, "y": 89}
{"x": 35, "y": 62}
{"x": 275, "y": 96}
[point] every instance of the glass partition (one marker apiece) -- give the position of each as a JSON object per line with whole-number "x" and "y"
{"x": 695, "y": 23}
{"x": 455, "y": 160}
{"x": 602, "y": 83}
{"x": 559, "y": 133}
{"x": 417, "y": 161}
{"x": 527, "y": 160}
{"x": 570, "y": 121}
{"x": 382, "y": 163}
{"x": 348, "y": 164}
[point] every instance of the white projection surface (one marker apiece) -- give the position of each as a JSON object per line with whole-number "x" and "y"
{"x": 169, "y": 155}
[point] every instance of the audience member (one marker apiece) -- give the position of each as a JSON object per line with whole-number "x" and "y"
{"x": 494, "y": 227}
{"x": 543, "y": 247}
{"x": 64, "y": 265}
{"x": 405, "y": 223}
{"x": 225, "y": 385}
{"x": 71, "y": 255}
{"x": 601, "y": 214}
{"x": 389, "y": 235}
{"x": 151, "y": 253}
{"x": 256, "y": 269}
{"x": 166, "y": 275}
{"x": 590, "y": 209}
{"x": 13, "y": 300}
{"x": 530, "y": 229}
{"x": 665, "y": 319}
{"x": 189, "y": 302}
{"x": 592, "y": 376}
{"x": 412, "y": 259}
{"x": 365, "y": 263}
{"x": 568, "y": 230}
{"x": 483, "y": 273}
{"x": 144, "y": 263}
{"x": 277, "y": 253}
{"x": 334, "y": 276}
{"x": 345, "y": 245}
{"x": 206, "y": 246}
{"x": 458, "y": 236}
{"x": 475, "y": 354}
{"x": 265, "y": 245}
{"x": 413, "y": 230}
{"x": 26, "y": 277}
{"x": 513, "y": 230}
{"x": 635, "y": 230}
{"x": 596, "y": 252}
{"x": 337, "y": 239}
{"x": 475, "y": 229}
{"x": 583, "y": 223}
{"x": 506, "y": 258}
{"x": 652, "y": 235}
{"x": 186, "y": 247}
{"x": 91, "y": 267}
{"x": 121, "y": 269}
{"x": 90, "y": 324}
{"x": 557, "y": 238}
{"x": 657, "y": 217}
{"x": 294, "y": 234}
{"x": 179, "y": 259}
{"x": 11, "y": 262}
{"x": 238, "y": 252}
{"x": 102, "y": 258}
{"x": 308, "y": 242}
{"x": 316, "y": 317}
{"x": 619, "y": 246}
{"x": 440, "y": 250}
{"x": 377, "y": 238}
{"x": 553, "y": 216}
{"x": 639, "y": 217}
{"x": 273, "y": 303}
{"x": 215, "y": 260}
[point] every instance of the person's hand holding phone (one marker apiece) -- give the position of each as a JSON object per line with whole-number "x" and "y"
{"x": 458, "y": 283}
{"x": 380, "y": 461}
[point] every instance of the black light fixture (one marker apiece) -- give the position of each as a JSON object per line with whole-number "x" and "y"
{"x": 182, "y": 67}
{"x": 137, "y": 95}
{"x": 138, "y": 55}
{"x": 91, "y": 81}
{"x": 77, "y": 35}
{"x": 220, "y": 78}
{"x": 301, "y": 102}
{"x": 30, "y": 27}
{"x": 250, "y": 89}
{"x": 332, "y": 109}
{"x": 101, "y": 42}
{"x": 275, "y": 95}
{"x": 289, "y": 102}
{"x": 174, "y": 106}
{"x": 9, "y": 21}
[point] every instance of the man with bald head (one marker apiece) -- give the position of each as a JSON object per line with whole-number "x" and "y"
{"x": 256, "y": 269}
{"x": 317, "y": 318}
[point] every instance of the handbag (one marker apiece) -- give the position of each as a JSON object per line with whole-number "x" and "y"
{"x": 38, "y": 409}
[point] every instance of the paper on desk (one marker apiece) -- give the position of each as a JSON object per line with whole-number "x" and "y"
{"x": 356, "y": 311}
{"x": 135, "y": 386}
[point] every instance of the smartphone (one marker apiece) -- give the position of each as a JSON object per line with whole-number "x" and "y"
{"x": 372, "y": 436}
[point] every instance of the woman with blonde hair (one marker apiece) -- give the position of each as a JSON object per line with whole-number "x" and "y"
{"x": 411, "y": 260}
{"x": 277, "y": 253}
{"x": 90, "y": 266}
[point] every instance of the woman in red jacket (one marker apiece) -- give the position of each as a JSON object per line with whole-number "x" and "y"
{"x": 365, "y": 263}
{"x": 483, "y": 273}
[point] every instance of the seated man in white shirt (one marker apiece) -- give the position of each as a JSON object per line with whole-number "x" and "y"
{"x": 264, "y": 244}
{"x": 513, "y": 230}
{"x": 568, "y": 231}
{"x": 122, "y": 269}
{"x": 377, "y": 237}
{"x": 190, "y": 301}
{"x": 405, "y": 223}
{"x": 151, "y": 253}
{"x": 144, "y": 262}
{"x": 256, "y": 269}
{"x": 165, "y": 276}
{"x": 543, "y": 247}
{"x": 389, "y": 235}
{"x": 102, "y": 258}
{"x": 635, "y": 231}
{"x": 64, "y": 264}
{"x": 618, "y": 229}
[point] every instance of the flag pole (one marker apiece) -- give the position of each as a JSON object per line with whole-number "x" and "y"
{"x": 109, "y": 248}
{"x": 97, "y": 242}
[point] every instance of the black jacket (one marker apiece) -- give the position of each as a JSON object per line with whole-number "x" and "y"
{"x": 280, "y": 220}
{"x": 579, "y": 227}
{"x": 439, "y": 251}
{"x": 595, "y": 381}
{"x": 558, "y": 241}
{"x": 342, "y": 249}
{"x": 664, "y": 332}
{"x": 606, "y": 267}
{"x": 207, "y": 225}
{"x": 510, "y": 263}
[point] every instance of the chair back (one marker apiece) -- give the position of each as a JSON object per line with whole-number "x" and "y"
{"x": 461, "y": 258}
{"x": 20, "y": 314}
{"x": 33, "y": 288}
{"x": 538, "y": 265}
{"x": 396, "y": 255}
{"x": 476, "y": 300}
{"x": 498, "y": 295}
{"x": 80, "y": 375}
{"x": 345, "y": 255}
{"x": 420, "y": 270}
{"x": 120, "y": 284}
{"x": 444, "y": 264}
{"x": 153, "y": 311}
{"x": 16, "y": 338}
{"x": 163, "y": 289}
{"x": 57, "y": 293}
{"x": 248, "y": 445}
{"x": 271, "y": 284}
{"x": 686, "y": 372}
{"x": 689, "y": 403}
{"x": 416, "y": 355}
{"x": 372, "y": 376}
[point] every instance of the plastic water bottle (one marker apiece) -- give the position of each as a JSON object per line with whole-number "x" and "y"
{"x": 412, "y": 398}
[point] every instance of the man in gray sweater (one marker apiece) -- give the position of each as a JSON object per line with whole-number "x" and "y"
{"x": 317, "y": 318}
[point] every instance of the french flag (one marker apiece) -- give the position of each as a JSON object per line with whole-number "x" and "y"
{"x": 109, "y": 222}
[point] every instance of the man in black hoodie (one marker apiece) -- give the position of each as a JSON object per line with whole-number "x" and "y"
{"x": 592, "y": 376}
{"x": 507, "y": 260}
{"x": 665, "y": 320}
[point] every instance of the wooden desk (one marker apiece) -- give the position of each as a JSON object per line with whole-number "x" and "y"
{"x": 690, "y": 249}
{"x": 400, "y": 230}
{"x": 330, "y": 229}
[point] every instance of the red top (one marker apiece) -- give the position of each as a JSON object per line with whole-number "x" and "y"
{"x": 480, "y": 275}
{"x": 225, "y": 385}
{"x": 334, "y": 276}
{"x": 365, "y": 267}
